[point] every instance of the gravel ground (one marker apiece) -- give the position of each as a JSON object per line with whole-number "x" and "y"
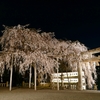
{"x": 47, "y": 94}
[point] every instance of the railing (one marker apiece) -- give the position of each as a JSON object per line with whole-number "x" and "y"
{"x": 45, "y": 84}
{"x": 4, "y": 84}
{"x": 24, "y": 84}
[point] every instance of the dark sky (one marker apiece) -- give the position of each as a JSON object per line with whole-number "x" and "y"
{"x": 69, "y": 20}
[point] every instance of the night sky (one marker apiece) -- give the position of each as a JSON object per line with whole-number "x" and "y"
{"x": 68, "y": 20}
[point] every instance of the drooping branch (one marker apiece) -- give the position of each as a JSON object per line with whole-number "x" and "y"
{"x": 33, "y": 46}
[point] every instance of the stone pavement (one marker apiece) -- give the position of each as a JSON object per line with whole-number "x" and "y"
{"x": 47, "y": 94}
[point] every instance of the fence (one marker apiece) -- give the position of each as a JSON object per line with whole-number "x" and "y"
{"x": 27, "y": 84}
{"x": 4, "y": 84}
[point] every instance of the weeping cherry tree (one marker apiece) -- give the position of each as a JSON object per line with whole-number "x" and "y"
{"x": 23, "y": 47}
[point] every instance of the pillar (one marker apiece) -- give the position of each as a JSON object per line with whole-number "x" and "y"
{"x": 80, "y": 84}
{"x": 11, "y": 72}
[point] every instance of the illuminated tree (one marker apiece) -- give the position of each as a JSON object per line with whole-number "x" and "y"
{"x": 25, "y": 47}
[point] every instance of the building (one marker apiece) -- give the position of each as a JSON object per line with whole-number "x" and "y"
{"x": 67, "y": 80}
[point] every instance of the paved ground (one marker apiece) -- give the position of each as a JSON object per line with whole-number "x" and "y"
{"x": 47, "y": 94}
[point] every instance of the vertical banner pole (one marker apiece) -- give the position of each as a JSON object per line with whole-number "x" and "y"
{"x": 30, "y": 75}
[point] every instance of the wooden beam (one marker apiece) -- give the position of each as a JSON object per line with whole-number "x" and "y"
{"x": 92, "y": 51}
{"x": 94, "y": 59}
